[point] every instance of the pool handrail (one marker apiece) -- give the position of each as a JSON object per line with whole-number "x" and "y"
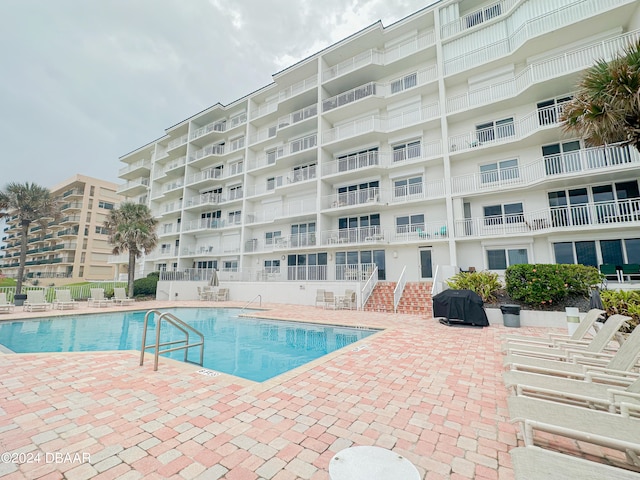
{"x": 250, "y": 302}
{"x": 180, "y": 325}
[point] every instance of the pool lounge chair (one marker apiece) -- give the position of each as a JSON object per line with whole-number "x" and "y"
{"x": 329, "y": 300}
{"x": 535, "y": 463}
{"x": 612, "y": 430}
{"x": 5, "y": 306}
{"x": 63, "y": 300}
{"x": 97, "y": 298}
{"x": 222, "y": 295}
{"x": 347, "y": 301}
{"x": 36, "y": 301}
{"x": 552, "y": 339}
{"x": 585, "y": 392}
{"x": 578, "y": 366}
{"x": 565, "y": 349}
{"x": 120, "y": 297}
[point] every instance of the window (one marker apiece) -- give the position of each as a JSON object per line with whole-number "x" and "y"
{"x": 304, "y": 143}
{"x": 209, "y": 264}
{"x": 500, "y": 259}
{"x": 235, "y": 192}
{"x": 274, "y": 182}
{"x": 499, "y": 171}
{"x": 410, "y": 223}
{"x": 500, "y": 214}
{"x": 235, "y": 217}
{"x": 230, "y": 265}
{"x": 235, "y": 168}
{"x": 92, "y": 191}
{"x": 404, "y": 83}
{"x": 303, "y": 172}
{"x": 593, "y": 253}
{"x": 272, "y": 266}
{"x": 407, "y": 187}
{"x": 356, "y": 265}
{"x": 364, "y": 158}
{"x": 356, "y": 194}
{"x": 561, "y": 157}
{"x": 491, "y": 131}
{"x": 303, "y": 234}
{"x": 358, "y": 229}
{"x": 549, "y": 110}
{"x": 307, "y": 267}
{"x": 106, "y": 205}
{"x": 271, "y": 238}
{"x": 100, "y": 231}
{"x": 407, "y": 151}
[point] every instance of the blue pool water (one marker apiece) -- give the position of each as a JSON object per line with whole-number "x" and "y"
{"x": 252, "y": 348}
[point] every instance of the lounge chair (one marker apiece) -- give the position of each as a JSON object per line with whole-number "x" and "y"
{"x": 205, "y": 293}
{"x": 565, "y": 349}
{"x": 535, "y": 463}
{"x": 63, "y": 300}
{"x": 329, "y": 300}
{"x": 221, "y": 295}
{"x": 5, "y": 306}
{"x": 348, "y": 300}
{"x": 320, "y": 296}
{"x": 578, "y": 366}
{"x": 552, "y": 339}
{"x": 97, "y": 298}
{"x": 36, "y": 301}
{"x": 120, "y": 297}
{"x": 616, "y": 431}
{"x": 575, "y": 392}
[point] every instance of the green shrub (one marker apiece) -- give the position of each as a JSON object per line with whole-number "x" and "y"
{"x": 544, "y": 284}
{"x": 155, "y": 275}
{"x": 486, "y": 284}
{"x": 624, "y": 302}
{"x": 108, "y": 292}
{"x": 145, "y": 286}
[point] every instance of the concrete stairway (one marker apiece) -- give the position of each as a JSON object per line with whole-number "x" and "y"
{"x": 416, "y": 298}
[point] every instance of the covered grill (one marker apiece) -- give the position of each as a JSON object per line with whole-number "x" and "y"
{"x": 460, "y": 307}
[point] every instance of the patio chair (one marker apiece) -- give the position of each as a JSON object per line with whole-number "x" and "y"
{"x": 565, "y": 349}
{"x": 587, "y": 393}
{"x": 5, "y": 306}
{"x": 533, "y": 463}
{"x": 120, "y": 297}
{"x": 578, "y": 366}
{"x": 348, "y": 300}
{"x": 584, "y": 327}
{"x": 63, "y": 300}
{"x": 616, "y": 431}
{"x": 320, "y": 296}
{"x": 329, "y": 300}
{"x": 97, "y": 298}
{"x": 221, "y": 295}
{"x": 36, "y": 301}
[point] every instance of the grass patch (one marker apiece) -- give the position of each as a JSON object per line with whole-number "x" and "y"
{"x": 7, "y": 282}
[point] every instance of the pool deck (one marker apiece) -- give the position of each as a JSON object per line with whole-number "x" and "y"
{"x": 431, "y": 393}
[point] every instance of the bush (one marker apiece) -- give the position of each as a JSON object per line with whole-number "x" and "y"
{"x": 145, "y": 286}
{"x": 155, "y": 275}
{"x": 485, "y": 284}
{"x": 544, "y": 284}
{"x": 624, "y": 302}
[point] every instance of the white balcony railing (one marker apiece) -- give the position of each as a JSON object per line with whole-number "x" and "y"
{"x": 531, "y": 28}
{"x": 505, "y": 132}
{"x": 170, "y": 207}
{"x": 476, "y": 17}
{"x": 571, "y": 61}
{"x": 177, "y": 163}
{"x": 213, "y": 149}
{"x": 204, "y": 224}
{"x": 362, "y": 196}
{"x": 217, "y": 126}
{"x": 575, "y": 163}
{"x": 146, "y": 164}
{"x": 178, "y": 141}
{"x": 358, "y": 235}
{"x": 205, "y": 199}
{"x": 418, "y": 191}
{"x": 290, "y": 209}
{"x": 293, "y": 147}
{"x": 284, "y": 242}
{"x": 131, "y": 184}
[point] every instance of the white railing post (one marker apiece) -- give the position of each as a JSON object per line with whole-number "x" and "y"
{"x": 397, "y": 292}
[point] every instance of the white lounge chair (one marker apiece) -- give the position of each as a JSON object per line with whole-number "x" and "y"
{"x": 97, "y": 298}
{"x": 329, "y": 300}
{"x": 120, "y": 297}
{"x": 5, "y": 306}
{"x": 36, "y": 301}
{"x": 63, "y": 300}
{"x": 320, "y": 296}
{"x": 535, "y": 463}
{"x": 565, "y": 349}
{"x": 585, "y": 326}
{"x": 221, "y": 295}
{"x": 616, "y": 431}
{"x": 579, "y": 366}
{"x": 348, "y": 300}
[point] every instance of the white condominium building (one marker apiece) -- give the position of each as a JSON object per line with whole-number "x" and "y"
{"x": 428, "y": 143}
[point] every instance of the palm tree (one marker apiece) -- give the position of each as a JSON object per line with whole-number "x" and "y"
{"x": 606, "y": 107}
{"x": 132, "y": 228}
{"x": 28, "y": 203}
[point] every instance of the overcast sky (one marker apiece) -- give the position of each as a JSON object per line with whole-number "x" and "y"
{"x": 85, "y": 82}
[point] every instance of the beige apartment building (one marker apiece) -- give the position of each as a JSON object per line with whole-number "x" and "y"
{"x": 74, "y": 249}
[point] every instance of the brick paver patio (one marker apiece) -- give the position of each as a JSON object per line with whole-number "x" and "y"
{"x": 431, "y": 393}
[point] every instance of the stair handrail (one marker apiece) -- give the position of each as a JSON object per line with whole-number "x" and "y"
{"x": 434, "y": 286}
{"x": 369, "y": 286}
{"x": 399, "y": 290}
{"x": 177, "y": 323}
{"x": 250, "y": 302}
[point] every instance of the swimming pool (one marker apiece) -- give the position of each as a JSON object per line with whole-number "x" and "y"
{"x": 253, "y": 348}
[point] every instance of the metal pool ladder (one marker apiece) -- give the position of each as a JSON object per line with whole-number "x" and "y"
{"x": 185, "y": 328}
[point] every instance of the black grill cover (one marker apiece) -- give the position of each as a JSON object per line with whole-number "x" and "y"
{"x": 464, "y": 306}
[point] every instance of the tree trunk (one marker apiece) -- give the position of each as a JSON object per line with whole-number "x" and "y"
{"x": 23, "y": 254}
{"x": 131, "y": 273}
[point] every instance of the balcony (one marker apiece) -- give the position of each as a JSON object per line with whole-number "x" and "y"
{"x": 574, "y": 164}
{"x": 217, "y": 126}
{"x": 285, "y": 121}
{"x": 132, "y": 167}
{"x": 167, "y": 188}
{"x": 174, "y": 165}
{"x": 205, "y": 199}
{"x": 291, "y": 148}
{"x": 380, "y": 57}
{"x": 280, "y": 181}
{"x": 205, "y": 224}
{"x": 614, "y": 214}
{"x": 353, "y": 95}
{"x": 132, "y": 187}
{"x": 209, "y": 150}
{"x": 418, "y": 192}
{"x": 545, "y": 23}
{"x": 71, "y": 206}
{"x": 476, "y": 17}
{"x": 571, "y": 61}
{"x": 285, "y": 242}
{"x": 290, "y": 209}
{"x": 167, "y": 208}
{"x": 177, "y": 142}
{"x": 364, "y": 196}
{"x": 75, "y": 192}
{"x": 272, "y": 104}
{"x": 359, "y": 235}
{"x": 506, "y": 132}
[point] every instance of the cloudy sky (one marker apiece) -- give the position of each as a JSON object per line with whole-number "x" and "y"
{"x": 85, "y": 82}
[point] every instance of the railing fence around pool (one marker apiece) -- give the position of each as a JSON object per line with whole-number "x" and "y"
{"x": 78, "y": 292}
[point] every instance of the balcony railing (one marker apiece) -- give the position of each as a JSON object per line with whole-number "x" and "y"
{"x": 168, "y": 208}
{"x": 575, "y": 163}
{"x": 353, "y": 95}
{"x": 358, "y": 235}
{"x": 574, "y": 60}
{"x": 381, "y": 57}
{"x": 613, "y": 214}
{"x": 476, "y": 17}
{"x": 507, "y": 131}
{"x": 299, "y": 145}
{"x": 205, "y": 199}
{"x": 177, "y": 163}
{"x": 548, "y": 22}
{"x": 217, "y": 126}
{"x": 134, "y": 166}
{"x": 418, "y": 191}
{"x": 274, "y": 183}
{"x": 73, "y": 192}
{"x": 293, "y": 241}
{"x": 138, "y": 182}
{"x": 297, "y": 88}
{"x": 213, "y": 149}
{"x": 290, "y": 209}
{"x": 204, "y": 224}
{"x": 178, "y": 141}
{"x": 355, "y": 197}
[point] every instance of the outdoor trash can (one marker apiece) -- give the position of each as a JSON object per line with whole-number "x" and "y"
{"x": 510, "y": 315}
